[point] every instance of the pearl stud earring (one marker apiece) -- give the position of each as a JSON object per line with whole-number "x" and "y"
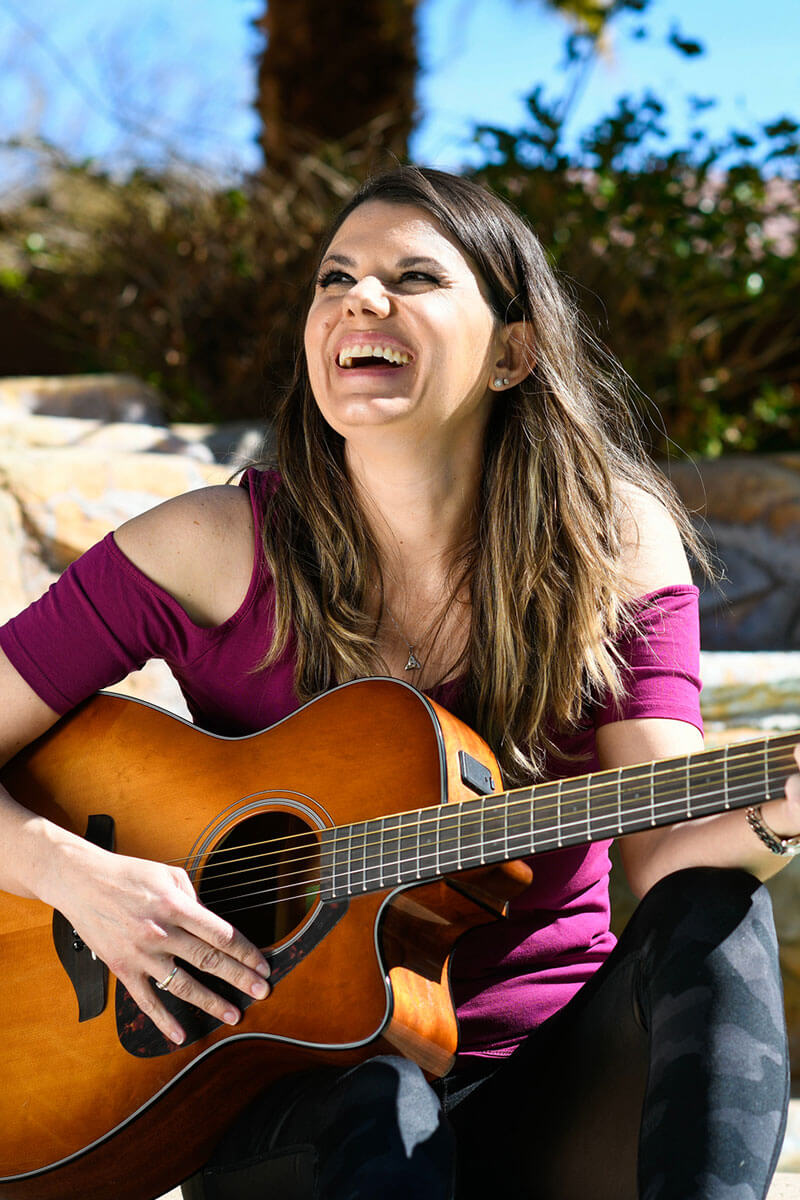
{"x": 501, "y": 382}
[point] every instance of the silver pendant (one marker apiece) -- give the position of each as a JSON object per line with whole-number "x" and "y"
{"x": 413, "y": 663}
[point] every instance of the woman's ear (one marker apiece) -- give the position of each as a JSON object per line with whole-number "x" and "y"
{"x": 517, "y": 356}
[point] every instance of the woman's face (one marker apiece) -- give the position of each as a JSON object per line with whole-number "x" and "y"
{"x": 400, "y": 334}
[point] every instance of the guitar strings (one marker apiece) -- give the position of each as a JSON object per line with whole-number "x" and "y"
{"x": 432, "y": 816}
{"x": 313, "y": 883}
{"x": 488, "y": 846}
{"x": 579, "y": 787}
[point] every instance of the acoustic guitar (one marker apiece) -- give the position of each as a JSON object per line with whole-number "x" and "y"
{"x": 354, "y": 842}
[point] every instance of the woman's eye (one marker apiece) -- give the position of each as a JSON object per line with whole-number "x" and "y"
{"x": 330, "y": 277}
{"x": 336, "y": 278}
{"x": 418, "y": 277}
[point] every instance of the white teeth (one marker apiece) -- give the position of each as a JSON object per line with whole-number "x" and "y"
{"x": 392, "y": 355}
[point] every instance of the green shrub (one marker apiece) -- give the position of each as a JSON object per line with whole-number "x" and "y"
{"x": 188, "y": 285}
{"x": 685, "y": 261}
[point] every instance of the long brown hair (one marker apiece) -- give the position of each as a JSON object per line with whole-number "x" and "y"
{"x": 543, "y": 565}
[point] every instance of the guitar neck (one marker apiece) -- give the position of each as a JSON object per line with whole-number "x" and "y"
{"x": 427, "y": 843}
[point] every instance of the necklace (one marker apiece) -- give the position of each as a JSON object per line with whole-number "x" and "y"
{"x": 413, "y": 663}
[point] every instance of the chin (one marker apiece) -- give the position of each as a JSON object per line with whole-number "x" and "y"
{"x": 366, "y": 412}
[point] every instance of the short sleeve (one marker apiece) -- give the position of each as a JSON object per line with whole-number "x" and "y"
{"x": 660, "y": 656}
{"x": 104, "y": 618}
{"x": 100, "y": 620}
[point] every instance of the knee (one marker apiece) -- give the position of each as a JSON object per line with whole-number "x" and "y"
{"x": 397, "y": 1083}
{"x": 713, "y": 926}
{"x": 710, "y": 904}
{"x": 394, "y": 1142}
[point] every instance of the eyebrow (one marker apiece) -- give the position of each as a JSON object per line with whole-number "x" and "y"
{"x": 413, "y": 260}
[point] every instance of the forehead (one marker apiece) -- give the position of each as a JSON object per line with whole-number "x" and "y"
{"x": 397, "y": 230}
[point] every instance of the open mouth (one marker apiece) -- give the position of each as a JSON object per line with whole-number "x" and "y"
{"x": 363, "y": 356}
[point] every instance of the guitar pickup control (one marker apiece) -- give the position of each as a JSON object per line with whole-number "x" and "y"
{"x": 474, "y": 774}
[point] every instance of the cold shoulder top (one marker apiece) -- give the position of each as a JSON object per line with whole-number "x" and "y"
{"x": 104, "y": 618}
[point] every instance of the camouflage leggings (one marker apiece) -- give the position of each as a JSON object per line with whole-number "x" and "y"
{"x": 664, "y": 1079}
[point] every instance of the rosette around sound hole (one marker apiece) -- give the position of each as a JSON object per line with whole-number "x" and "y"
{"x": 263, "y": 876}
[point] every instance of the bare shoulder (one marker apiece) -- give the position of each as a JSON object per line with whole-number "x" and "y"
{"x": 198, "y": 547}
{"x": 653, "y": 555}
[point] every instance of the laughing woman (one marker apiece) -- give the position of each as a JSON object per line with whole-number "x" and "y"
{"x": 459, "y": 500}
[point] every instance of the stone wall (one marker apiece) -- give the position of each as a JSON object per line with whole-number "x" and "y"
{"x": 749, "y": 507}
{"x": 79, "y": 456}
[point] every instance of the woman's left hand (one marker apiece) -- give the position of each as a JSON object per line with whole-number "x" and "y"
{"x": 783, "y": 816}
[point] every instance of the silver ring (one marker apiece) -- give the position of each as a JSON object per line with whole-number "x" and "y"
{"x": 164, "y": 985}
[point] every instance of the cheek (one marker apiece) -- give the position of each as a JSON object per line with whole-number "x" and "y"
{"x": 313, "y": 343}
{"x": 472, "y": 352}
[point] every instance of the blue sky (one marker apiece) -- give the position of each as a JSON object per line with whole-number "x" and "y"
{"x": 134, "y": 78}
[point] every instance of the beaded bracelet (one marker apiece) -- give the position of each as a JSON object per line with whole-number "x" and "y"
{"x": 772, "y": 840}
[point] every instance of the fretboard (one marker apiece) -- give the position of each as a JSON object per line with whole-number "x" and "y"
{"x": 426, "y": 843}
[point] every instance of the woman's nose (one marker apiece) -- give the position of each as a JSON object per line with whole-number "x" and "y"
{"x": 368, "y": 295}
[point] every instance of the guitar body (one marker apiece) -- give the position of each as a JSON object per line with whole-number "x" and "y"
{"x": 102, "y": 1106}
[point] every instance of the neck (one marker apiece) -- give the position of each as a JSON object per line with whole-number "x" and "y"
{"x": 420, "y": 504}
{"x": 413, "y": 845}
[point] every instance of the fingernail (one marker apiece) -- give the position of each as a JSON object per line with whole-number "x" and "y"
{"x": 259, "y": 989}
{"x": 230, "y": 1016}
{"x": 177, "y": 1036}
{"x": 263, "y": 969}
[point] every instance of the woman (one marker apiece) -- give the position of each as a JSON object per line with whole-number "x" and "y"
{"x": 460, "y": 503}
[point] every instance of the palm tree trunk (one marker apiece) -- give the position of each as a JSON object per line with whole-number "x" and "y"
{"x": 333, "y": 70}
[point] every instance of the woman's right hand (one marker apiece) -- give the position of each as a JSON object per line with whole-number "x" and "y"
{"x": 138, "y": 917}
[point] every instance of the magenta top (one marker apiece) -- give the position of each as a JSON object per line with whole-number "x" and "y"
{"x": 104, "y": 618}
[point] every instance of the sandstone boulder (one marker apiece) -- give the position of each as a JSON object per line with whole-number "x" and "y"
{"x": 71, "y": 497}
{"x": 749, "y": 506}
{"x": 96, "y": 397}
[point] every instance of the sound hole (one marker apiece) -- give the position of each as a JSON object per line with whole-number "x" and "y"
{"x": 263, "y": 876}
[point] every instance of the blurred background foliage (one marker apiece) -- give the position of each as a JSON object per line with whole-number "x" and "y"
{"x": 685, "y": 260}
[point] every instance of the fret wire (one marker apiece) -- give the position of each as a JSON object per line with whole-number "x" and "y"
{"x": 460, "y": 839}
{"x": 403, "y": 856}
{"x": 619, "y": 799}
{"x": 438, "y": 857}
{"x": 335, "y": 864}
{"x": 725, "y": 775}
{"x": 366, "y": 843}
{"x": 396, "y": 848}
{"x": 688, "y": 785}
{"x": 589, "y": 807}
{"x": 354, "y": 858}
{"x": 558, "y": 806}
{"x": 505, "y": 825}
{"x": 652, "y": 792}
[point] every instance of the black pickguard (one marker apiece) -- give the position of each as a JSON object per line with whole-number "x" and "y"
{"x": 139, "y": 1036}
{"x": 87, "y": 974}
